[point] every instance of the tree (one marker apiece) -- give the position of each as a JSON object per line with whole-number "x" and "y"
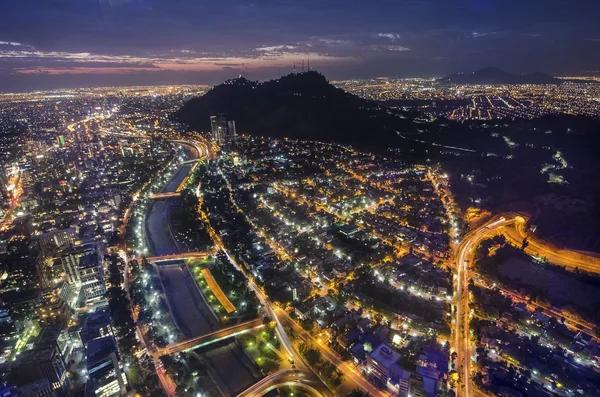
{"x": 115, "y": 278}
{"x": 135, "y": 268}
{"x": 525, "y": 243}
{"x": 145, "y": 315}
{"x": 138, "y": 297}
{"x": 158, "y": 393}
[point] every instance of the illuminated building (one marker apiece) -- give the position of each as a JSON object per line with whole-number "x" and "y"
{"x": 51, "y": 309}
{"x": 380, "y": 362}
{"x": 42, "y": 363}
{"x": 21, "y": 304}
{"x": 56, "y": 239}
{"x": 23, "y": 270}
{"x": 83, "y": 267}
{"x": 96, "y": 326}
{"x": 7, "y": 324}
{"x": 383, "y": 367}
{"x": 40, "y": 388}
{"x": 104, "y": 368}
{"x": 223, "y": 130}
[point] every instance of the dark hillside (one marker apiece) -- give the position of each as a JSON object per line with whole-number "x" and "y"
{"x": 302, "y": 105}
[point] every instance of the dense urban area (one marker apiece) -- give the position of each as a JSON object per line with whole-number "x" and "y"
{"x": 140, "y": 257}
{"x": 437, "y": 98}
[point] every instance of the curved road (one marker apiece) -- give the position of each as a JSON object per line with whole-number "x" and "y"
{"x": 464, "y": 256}
{"x": 285, "y": 377}
{"x": 512, "y": 226}
{"x": 557, "y": 256}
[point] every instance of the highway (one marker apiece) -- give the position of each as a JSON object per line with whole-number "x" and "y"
{"x": 284, "y": 339}
{"x": 464, "y": 256}
{"x": 512, "y": 226}
{"x": 557, "y": 256}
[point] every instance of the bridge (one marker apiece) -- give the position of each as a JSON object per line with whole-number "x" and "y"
{"x": 164, "y": 195}
{"x": 183, "y": 256}
{"x": 207, "y": 339}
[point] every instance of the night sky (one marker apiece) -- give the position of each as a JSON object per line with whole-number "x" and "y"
{"x": 62, "y": 43}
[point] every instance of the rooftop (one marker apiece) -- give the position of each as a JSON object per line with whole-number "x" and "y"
{"x": 385, "y": 356}
{"x": 99, "y": 349}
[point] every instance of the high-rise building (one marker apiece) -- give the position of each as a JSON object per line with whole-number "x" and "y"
{"x": 39, "y": 388}
{"x": 58, "y": 336}
{"x": 52, "y": 309}
{"x": 42, "y": 363}
{"x": 96, "y": 326}
{"x": 22, "y": 268}
{"x": 56, "y": 239}
{"x": 7, "y": 324}
{"x": 223, "y": 130}
{"x": 92, "y": 278}
{"x": 104, "y": 368}
{"x": 21, "y": 304}
{"x": 83, "y": 266}
{"x": 70, "y": 259}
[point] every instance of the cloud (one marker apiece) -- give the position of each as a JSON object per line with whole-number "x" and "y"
{"x": 333, "y": 41}
{"x": 275, "y": 49}
{"x": 57, "y": 62}
{"x": 477, "y": 35}
{"x": 343, "y": 36}
{"x": 391, "y": 36}
{"x": 11, "y": 43}
{"x": 398, "y": 48}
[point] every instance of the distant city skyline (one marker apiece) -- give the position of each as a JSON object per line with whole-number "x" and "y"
{"x": 50, "y": 44}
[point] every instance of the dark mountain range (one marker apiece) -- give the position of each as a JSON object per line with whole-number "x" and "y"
{"x": 493, "y": 75}
{"x": 302, "y": 105}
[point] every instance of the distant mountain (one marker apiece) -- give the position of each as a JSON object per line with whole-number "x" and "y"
{"x": 493, "y": 75}
{"x": 299, "y": 105}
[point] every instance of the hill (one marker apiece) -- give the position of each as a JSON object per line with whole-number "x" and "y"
{"x": 299, "y": 105}
{"x": 493, "y": 75}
